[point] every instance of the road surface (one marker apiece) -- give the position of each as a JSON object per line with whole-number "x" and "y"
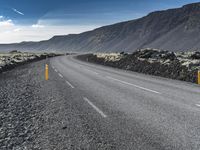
{"x": 88, "y": 106}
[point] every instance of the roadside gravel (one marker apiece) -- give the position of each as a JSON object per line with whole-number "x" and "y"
{"x": 20, "y": 107}
{"x": 46, "y": 115}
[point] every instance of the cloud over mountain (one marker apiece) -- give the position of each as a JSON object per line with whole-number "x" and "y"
{"x": 173, "y": 29}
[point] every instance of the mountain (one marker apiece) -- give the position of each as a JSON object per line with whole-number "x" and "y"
{"x": 174, "y": 29}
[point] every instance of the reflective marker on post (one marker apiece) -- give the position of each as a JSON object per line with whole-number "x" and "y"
{"x": 46, "y": 72}
{"x": 198, "y": 77}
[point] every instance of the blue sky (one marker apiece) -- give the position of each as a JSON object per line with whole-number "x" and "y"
{"x": 41, "y": 19}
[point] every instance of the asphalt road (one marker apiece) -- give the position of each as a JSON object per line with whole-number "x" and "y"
{"x": 88, "y": 106}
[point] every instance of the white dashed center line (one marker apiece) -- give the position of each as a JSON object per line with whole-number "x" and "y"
{"x": 69, "y": 84}
{"x": 95, "y": 107}
{"x": 198, "y": 105}
{"x": 146, "y": 89}
{"x": 60, "y": 75}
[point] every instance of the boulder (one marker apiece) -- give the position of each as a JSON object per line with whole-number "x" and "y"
{"x": 195, "y": 55}
{"x": 154, "y": 54}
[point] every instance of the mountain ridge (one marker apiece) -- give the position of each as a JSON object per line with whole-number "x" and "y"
{"x": 172, "y": 29}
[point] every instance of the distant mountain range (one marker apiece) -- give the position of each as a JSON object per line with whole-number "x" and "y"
{"x": 173, "y": 29}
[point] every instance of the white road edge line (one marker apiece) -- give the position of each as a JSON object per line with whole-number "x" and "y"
{"x": 55, "y": 70}
{"x": 96, "y": 108}
{"x": 146, "y": 89}
{"x": 60, "y": 75}
{"x": 91, "y": 71}
{"x": 198, "y": 105}
{"x": 69, "y": 84}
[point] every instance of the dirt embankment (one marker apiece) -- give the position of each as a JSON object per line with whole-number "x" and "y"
{"x": 181, "y": 66}
{"x": 13, "y": 59}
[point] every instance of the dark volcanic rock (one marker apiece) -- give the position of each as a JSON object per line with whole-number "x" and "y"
{"x": 154, "y": 54}
{"x": 16, "y": 58}
{"x": 195, "y": 55}
{"x": 153, "y": 62}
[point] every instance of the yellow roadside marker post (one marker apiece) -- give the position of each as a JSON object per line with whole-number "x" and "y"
{"x": 198, "y": 77}
{"x": 46, "y": 72}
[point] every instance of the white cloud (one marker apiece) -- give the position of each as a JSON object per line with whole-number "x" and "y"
{"x": 17, "y": 11}
{"x": 17, "y": 29}
{"x": 12, "y": 33}
{"x": 37, "y": 26}
{"x": 28, "y": 33}
{"x": 6, "y": 23}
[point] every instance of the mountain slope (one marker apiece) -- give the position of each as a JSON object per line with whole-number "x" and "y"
{"x": 173, "y": 29}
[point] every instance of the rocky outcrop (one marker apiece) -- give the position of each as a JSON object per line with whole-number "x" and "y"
{"x": 181, "y": 66}
{"x": 15, "y": 58}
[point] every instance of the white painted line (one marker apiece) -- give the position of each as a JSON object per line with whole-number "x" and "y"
{"x": 55, "y": 70}
{"x": 69, "y": 84}
{"x": 53, "y": 67}
{"x": 60, "y": 75}
{"x": 198, "y": 105}
{"x": 146, "y": 89}
{"x": 92, "y": 71}
{"x": 95, "y": 107}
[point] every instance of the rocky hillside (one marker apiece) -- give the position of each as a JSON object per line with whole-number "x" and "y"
{"x": 173, "y": 29}
{"x": 181, "y": 65}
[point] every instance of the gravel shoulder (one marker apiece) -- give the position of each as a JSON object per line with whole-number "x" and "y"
{"x": 38, "y": 114}
{"x": 34, "y": 112}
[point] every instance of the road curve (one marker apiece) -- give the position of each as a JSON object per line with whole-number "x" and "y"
{"x": 127, "y": 110}
{"x": 88, "y": 106}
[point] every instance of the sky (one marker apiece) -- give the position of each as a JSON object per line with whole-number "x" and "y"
{"x": 35, "y": 20}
